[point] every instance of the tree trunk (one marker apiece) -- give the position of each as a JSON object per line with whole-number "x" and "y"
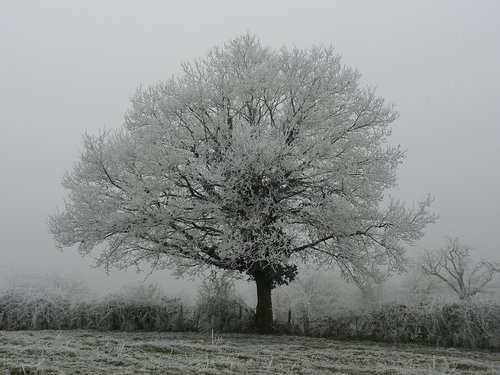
{"x": 264, "y": 310}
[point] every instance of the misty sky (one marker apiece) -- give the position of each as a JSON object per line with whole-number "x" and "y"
{"x": 70, "y": 67}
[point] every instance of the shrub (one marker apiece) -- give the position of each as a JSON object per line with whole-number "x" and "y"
{"x": 219, "y": 309}
{"x": 23, "y": 310}
{"x": 464, "y": 324}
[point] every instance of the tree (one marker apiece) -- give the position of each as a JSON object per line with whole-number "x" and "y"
{"x": 55, "y": 284}
{"x": 453, "y": 266}
{"x": 218, "y": 307}
{"x": 313, "y": 294}
{"x": 140, "y": 293}
{"x": 416, "y": 284}
{"x": 253, "y": 160}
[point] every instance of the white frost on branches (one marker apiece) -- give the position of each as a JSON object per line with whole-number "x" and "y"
{"x": 453, "y": 266}
{"x": 253, "y": 156}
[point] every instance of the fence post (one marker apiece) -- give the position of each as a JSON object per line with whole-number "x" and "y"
{"x": 179, "y": 320}
{"x": 306, "y": 322}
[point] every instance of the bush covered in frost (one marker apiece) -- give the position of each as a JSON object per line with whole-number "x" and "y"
{"x": 142, "y": 308}
{"x": 22, "y": 309}
{"x": 219, "y": 308}
{"x": 466, "y": 324}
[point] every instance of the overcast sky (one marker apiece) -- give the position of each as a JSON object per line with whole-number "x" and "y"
{"x": 67, "y": 67}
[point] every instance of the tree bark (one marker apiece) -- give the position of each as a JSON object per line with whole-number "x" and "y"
{"x": 264, "y": 310}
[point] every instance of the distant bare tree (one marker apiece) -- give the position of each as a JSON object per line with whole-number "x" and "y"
{"x": 50, "y": 284}
{"x": 453, "y": 265}
{"x": 313, "y": 293}
{"x": 417, "y": 284}
{"x": 142, "y": 293}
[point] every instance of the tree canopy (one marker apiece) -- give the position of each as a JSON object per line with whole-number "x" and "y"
{"x": 253, "y": 160}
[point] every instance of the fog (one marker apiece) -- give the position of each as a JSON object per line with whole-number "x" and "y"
{"x": 71, "y": 67}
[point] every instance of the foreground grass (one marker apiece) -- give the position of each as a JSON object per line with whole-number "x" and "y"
{"x": 89, "y": 352}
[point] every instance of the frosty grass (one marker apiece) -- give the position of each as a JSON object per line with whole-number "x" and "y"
{"x": 90, "y": 352}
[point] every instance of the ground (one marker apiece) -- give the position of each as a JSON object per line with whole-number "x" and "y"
{"x": 90, "y": 352}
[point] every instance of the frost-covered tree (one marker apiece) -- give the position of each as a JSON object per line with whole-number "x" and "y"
{"x": 453, "y": 266}
{"x": 55, "y": 284}
{"x": 416, "y": 285}
{"x": 253, "y": 160}
{"x": 141, "y": 293}
{"x": 313, "y": 294}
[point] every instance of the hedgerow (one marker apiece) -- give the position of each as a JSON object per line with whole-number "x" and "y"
{"x": 464, "y": 324}
{"x": 31, "y": 310}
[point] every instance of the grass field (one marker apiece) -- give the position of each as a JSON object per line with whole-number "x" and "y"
{"x": 89, "y": 352}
